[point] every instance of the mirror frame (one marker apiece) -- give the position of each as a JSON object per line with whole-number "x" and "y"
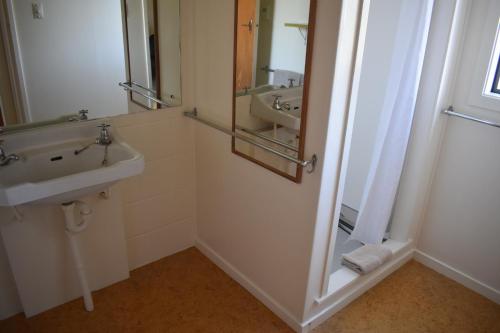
{"x": 305, "y": 97}
{"x": 157, "y": 54}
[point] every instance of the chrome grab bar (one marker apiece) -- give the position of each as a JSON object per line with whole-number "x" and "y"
{"x": 451, "y": 112}
{"x": 310, "y": 165}
{"x": 129, "y": 86}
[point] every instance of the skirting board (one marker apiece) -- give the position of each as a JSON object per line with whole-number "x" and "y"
{"x": 279, "y": 310}
{"x": 239, "y": 277}
{"x": 458, "y": 276}
{"x": 356, "y": 291}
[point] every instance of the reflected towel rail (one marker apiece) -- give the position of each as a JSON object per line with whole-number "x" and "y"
{"x": 264, "y": 137}
{"x": 451, "y": 112}
{"x": 310, "y": 165}
{"x": 130, "y": 87}
{"x": 133, "y": 83}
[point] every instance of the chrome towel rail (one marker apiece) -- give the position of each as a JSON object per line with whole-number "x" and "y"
{"x": 451, "y": 112}
{"x": 130, "y": 87}
{"x": 310, "y": 165}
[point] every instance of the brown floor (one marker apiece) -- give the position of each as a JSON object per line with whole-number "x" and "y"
{"x": 416, "y": 299}
{"x": 187, "y": 293}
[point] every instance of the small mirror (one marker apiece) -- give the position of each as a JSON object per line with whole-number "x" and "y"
{"x": 273, "y": 44}
{"x": 62, "y": 60}
{"x": 153, "y": 41}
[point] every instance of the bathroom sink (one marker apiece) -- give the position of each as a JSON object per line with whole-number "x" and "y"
{"x": 54, "y": 174}
{"x": 261, "y": 106}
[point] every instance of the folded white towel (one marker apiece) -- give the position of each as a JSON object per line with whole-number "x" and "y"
{"x": 366, "y": 258}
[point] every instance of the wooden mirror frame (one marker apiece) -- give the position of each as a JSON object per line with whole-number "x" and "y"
{"x": 305, "y": 96}
{"x": 157, "y": 54}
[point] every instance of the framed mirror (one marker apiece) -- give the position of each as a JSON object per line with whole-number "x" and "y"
{"x": 273, "y": 41}
{"x": 62, "y": 60}
{"x": 153, "y": 51}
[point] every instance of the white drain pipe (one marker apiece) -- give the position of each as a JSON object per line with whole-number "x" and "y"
{"x": 73, "y": 227}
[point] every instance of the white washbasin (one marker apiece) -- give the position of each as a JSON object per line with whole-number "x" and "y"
{"x": 54, "y": 174}
{"x": 261, "y": 106}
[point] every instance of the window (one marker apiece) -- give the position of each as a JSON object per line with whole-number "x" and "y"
{"x": 492, "y": 85}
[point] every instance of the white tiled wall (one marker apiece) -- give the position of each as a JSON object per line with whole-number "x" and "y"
{"x": 159, "y": 205}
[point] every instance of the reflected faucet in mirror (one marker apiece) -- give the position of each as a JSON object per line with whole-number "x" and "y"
{"x": 277, "y": 105}
{"x": 82, "y": 115}
{"x": 5, "y": 158}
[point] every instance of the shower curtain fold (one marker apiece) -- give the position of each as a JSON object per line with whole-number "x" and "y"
{"x": 395, "y": 126}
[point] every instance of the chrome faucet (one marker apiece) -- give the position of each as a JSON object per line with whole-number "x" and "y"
{"x": 277, "y": 105}
{"x": 6, "y": 159}
{"x": 104, "y": 139}
{"x": 276, "y": 102}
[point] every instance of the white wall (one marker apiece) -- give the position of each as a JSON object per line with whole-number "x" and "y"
{"x": 249, "y": 218}
{"x": 462, "y": 225}
{"x": 9, "y": 300}
{"x": 159, "y": 205}
{"x": 460, "y": 231}
{"x": 73, "y": 58}
{"x": 384, "y": 16}
{"x": 38, "y": 247}
{"x": 288, "y": 50}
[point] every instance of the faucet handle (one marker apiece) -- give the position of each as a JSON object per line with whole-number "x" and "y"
{"x": 83, "y": 114}
{"x": 104, "y": 136}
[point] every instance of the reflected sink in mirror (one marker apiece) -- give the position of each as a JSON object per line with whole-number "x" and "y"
{"x": 272, "y": 56}
{"x": 288, "y": 115}
{"x": 50, "y": 172}
{"x": 257, "y": 90}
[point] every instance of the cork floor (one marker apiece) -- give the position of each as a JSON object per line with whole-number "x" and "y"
{"x": 187, "y": 293}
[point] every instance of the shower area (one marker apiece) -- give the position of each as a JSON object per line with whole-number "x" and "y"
{"x": 385, "y": 86}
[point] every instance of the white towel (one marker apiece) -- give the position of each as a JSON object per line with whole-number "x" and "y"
{"x": 366, "y": 258}
{"x": 281, "y": 77}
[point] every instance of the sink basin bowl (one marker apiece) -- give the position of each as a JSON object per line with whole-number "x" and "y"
{"x": 54, "y": 174}
{"x": 261, "y": 106}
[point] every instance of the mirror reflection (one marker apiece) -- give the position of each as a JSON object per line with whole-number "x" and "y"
{"x": 63, "y": 60}
{"x": 153, "y": 37}
{"x": 270, "y": 67}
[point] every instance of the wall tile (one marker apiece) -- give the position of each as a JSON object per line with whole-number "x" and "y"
{"x": 150, "y": 214}
{"x": 152, "y": 246}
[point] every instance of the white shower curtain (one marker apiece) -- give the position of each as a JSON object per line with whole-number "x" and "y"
{"x": 395, "y": 123}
